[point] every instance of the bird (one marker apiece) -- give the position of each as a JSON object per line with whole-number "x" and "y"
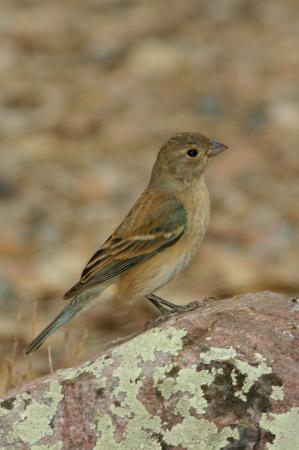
{"x": 156, "y": 240}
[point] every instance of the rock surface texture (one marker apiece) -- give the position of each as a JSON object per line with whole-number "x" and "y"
{"x": 224, "y": 376}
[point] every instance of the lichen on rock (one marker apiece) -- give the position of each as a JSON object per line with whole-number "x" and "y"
{"x": 172, "y": 388}
{"x": 36, "y": 418}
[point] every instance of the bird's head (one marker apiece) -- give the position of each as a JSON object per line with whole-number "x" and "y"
{"x": 185, "y": 156}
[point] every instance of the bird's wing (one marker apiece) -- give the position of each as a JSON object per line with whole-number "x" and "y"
{"x": 154, "y": 223}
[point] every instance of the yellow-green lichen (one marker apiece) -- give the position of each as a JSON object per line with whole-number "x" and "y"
{"x": 160, "y": 372}
{"x": 106, "y": 428}
{"x": 218, "y": 354}
{"x": 188, "y": 381}
{"x": 3, "y": 412}
{"x": 284, "y": 427}
{"x": 277, "y": 393}
{"x": 252, "y": 374}
{"x": 95, "y": 368}
{"x": 129, "y": 386}
{"x": 35, "y": 421}
{"x": 146, "y": 345}
{"x": 57, "y": 446}
{"x": 137, "y": 437}
{"x": 142, "y": 348}
{"x": 183, "y": 406}
{"x": 167, "y": 387}
{"x": 142, "y": 426}
{"x": 234, "y": 376}
{"x": 163, "y": 383}
{"x": 198, "y": 434}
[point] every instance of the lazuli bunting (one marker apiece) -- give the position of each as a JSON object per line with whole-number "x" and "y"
{"x": 158, "y": 237}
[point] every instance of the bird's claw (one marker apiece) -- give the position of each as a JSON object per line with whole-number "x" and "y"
{"x": 178, "y": 309}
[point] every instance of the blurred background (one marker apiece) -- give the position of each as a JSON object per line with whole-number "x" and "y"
{"x": 90, "y": 90}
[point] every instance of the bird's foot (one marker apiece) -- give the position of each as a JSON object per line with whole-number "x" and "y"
{"x": 174, "y": 311}
{"x": 179, "y": 309}
{"x": 171, "y": 309}
{"x": 167, "y": 308}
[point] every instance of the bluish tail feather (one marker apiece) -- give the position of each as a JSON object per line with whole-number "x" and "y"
{"x": 68, "y": 313}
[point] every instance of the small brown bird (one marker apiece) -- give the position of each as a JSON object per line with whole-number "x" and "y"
{"x": 158, "y": 237}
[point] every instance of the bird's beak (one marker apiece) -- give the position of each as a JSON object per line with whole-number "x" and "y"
{"x": 215, "y": 148}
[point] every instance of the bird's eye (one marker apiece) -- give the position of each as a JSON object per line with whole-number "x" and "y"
{"x": 192, "y": 152}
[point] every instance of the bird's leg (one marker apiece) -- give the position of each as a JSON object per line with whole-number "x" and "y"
{"x": 160, "y": 303}
{"x": 157, "y": 302}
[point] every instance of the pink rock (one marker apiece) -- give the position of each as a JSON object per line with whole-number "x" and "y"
{"x": 224, "y": 376}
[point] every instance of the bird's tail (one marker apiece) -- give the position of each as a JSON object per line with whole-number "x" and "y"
{"x": 66, "y": 314}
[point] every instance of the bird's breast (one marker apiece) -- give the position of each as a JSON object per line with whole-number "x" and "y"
{"x": 161, "y": 268}
{"x": 197, "y": 207}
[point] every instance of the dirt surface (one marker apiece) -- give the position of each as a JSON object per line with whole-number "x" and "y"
{"x": 90, "y": 90}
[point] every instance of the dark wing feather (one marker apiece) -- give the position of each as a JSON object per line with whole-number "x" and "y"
{"x": 162, "y": 223}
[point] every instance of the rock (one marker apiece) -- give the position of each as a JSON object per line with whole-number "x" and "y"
{"x": 155, "y": 59}
{"x": 284, "y": 114}
{"x": 224, "y": 376}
